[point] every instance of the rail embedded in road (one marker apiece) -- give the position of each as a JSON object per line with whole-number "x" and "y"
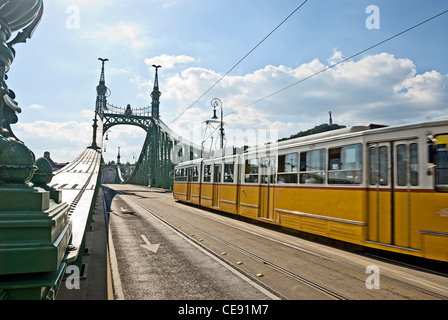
{"x": 294, "y": 267}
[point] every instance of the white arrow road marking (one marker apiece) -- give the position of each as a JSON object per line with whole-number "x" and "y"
{"x": 148, "y": 246}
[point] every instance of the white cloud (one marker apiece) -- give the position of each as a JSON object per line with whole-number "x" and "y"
{"x": 118, "y": 33}
{"x": 117, "y": 71}
{"x": 377, "y": 88}
{"x": 88, "y": 114}
{"x": 165, "y": 3}
{"x": 169, "y": 4}
{"x": 37, "y": 107}
{"x": 142, "y": 84}
{"x": 83, "y": 2}
{"x": 336, "y": 57}
{"x": 167, "y": 61}
{"x": 129, "y": 139}
{"x": 426, "y": 89}
{"x": 188, "y": 85}
{"x": 67, "y": 139}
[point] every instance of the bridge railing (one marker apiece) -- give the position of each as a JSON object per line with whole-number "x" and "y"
{"x": 79, "y": 182}
{"x": 141, "y": 112}
{"x": 35, "y": 227}
{"x": 44, "y": 223}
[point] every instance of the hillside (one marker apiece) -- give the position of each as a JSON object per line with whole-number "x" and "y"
{"x": 317, "y": 129}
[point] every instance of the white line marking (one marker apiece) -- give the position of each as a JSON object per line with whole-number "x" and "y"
{"x": 148, "y": 246}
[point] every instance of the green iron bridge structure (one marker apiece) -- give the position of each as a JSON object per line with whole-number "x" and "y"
{"x": 45, "y": 215}
{"x": 155, "y": 165}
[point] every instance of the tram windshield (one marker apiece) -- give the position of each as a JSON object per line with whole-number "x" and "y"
{"x": 442, "y": 163}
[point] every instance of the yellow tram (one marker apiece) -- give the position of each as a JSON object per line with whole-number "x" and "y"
{"x": 375, "y": 186}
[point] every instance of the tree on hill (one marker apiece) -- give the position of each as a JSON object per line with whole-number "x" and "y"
{"x": 317, "y": 129}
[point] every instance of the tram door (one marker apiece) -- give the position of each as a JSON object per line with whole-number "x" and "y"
{"x": 393, "y": 169}
{"x": 217, "y": 168}
{"x": 267, "y": 180}
{"x": 380, "y": 173}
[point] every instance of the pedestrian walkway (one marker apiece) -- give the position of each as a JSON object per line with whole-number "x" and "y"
{"x": 95, "y": 281}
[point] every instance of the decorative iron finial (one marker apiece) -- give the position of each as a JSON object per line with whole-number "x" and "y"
{"x": 102, "y": 90}
{"x": 155, "y": 95}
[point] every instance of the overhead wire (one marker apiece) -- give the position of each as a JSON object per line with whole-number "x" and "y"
{"x": 338, "y": 63}
{"x": 241, "y": 60}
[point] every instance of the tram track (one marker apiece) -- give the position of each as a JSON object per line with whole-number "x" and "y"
{"x": 341, "y": 263}
{"x": 360, "y": 270}
{"x": 338, "y": 262}
{"x": 308, "y": 282}
{"x": 272, "y": 265}
{"x": 411, "y": 283}
{"x": 406, "y": 284}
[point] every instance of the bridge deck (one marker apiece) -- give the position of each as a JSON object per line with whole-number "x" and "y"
{"x": 168, "y": 250}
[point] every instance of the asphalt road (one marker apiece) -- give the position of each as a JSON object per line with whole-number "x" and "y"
{"x": 165, "y": 250}
{"x": 152, "y": 261}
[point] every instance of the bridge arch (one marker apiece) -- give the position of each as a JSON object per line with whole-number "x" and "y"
{"x": 112, "y": 120}
{"x": 155, "y": 166}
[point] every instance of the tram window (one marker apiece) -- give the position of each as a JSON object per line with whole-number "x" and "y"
{"x": 403, "y": 157}
{"x": 181, "y": 175}
{"x": 229, "y": 172}
{"x": 402, "y": 179}
{"x": 195, "y": 174}
{"x": 312, "y": 166}
{"x": 413, "y": 163}
{"x": 287, "y": 163}
{"x": 442, "y": 167}
{"x": 287, "y": 178}
{"x": 208, "y": 173}
{"x": 189, "y": 174}
{"x": 383, "y": 166}
{"x": 217, "y": 173}
{"x": 251, "y": 171}
{"x": 345, "y": 165}
{"x": 442, "y": 163}
{"x": 287, "y": 168}
{"x": 177, "y": 175}
{"x": 372, "y": 167}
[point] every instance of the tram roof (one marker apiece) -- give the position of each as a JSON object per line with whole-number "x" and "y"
{"x": 361, "y": 129}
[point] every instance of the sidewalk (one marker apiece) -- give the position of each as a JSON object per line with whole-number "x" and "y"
{"x": 95, "y": 283}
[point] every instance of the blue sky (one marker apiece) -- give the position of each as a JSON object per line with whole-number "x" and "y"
{"x": 55, "y": 73}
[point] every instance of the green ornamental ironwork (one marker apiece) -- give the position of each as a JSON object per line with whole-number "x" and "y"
{"x": 35, "y": 227}
{"x": 155, "y": 166}
{"x": 14, "y": 15}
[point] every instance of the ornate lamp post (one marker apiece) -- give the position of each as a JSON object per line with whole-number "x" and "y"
{"x": 215, "y": 104}
{"x": 212, "y": 126}
{"x": 34, "y": 225}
